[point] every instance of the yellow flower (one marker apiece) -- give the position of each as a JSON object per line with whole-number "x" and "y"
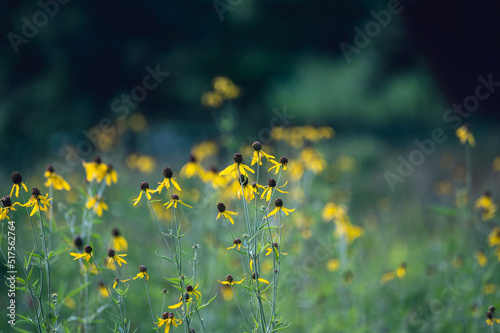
{"x": 388, "y": 277}
{"x": 236, "y": 244}
{"x": 494, "y": 237}
{"x": 168, "y": 319}
{"x": 464, "y": 134}
{"x": 345, "y": 228}
{"x": 225, "y": 87}
{"x": 95, "y": 170}
{"x": 37, "y": 201}
{"x": 259, "y": 153}
{"x": 189, "y": 291}
{"x": 110, "y": 175}
{"x": 489, "y": 288}
{"x": 85, "y": 255}
{"x": 281, "y": 165}
{"x": 237, "y": 168}
{"x": 142, "y": 273}
{"x": 334, "y": 211}
{"x": 333, "y": 264}
{"x": 401, "y": 271}
{"x": 7, "y": 207}
{"x": 117, "y": 259}
{"x": 268, "y": 190}
{"x": 119, "y": 281}
{"x": 223, "y": 212}
{"x": 490, "y": 316}
{"x": 144, "y": 189}
{"x": 255, "y": 276}
{"x": 204, "y": 149}
{"x": 274, "y": 248}
{"x": 312, "y": 160}
{"x": 481, "y": 258}
{"x": 249, "y": 190}
{"x": 279, "y": 207}
{"x": 97, "y": 204}
{"x": 119, "y": 243}
{"x": 173, "y": 201}
{"x": 485, "y": 203}
{"x": 230, "y": 281}
{"x": 213, "y": 177}
{"x": 192, "y": 168}
{"x": 167, "y": 173}
{"x": 103, "y": 291}
{"x": 17, "y": 179}
{"x": 53, "y": 179}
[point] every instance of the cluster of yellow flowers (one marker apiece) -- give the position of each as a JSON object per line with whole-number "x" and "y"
{"x": 223, "y": 89}
{"x": 297, "y": 136}
{"x": 344, "y": 228}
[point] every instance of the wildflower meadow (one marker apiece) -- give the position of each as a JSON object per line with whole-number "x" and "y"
{"x": 235, "y": 166}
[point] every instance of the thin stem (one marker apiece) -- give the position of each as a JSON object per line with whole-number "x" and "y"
{"x": 236, "y": 299}
{"x": 149, "y": 302}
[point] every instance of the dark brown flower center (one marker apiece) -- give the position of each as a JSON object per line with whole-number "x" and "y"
{"x": 144, "y": 185}
{"x": 167, "y": 172}
{"x": 238, "y": 158}
{"x": 278, "y": 202}
{"x": 257, "y": 146}
{"x": 221, "y": 207}
{"x": 17, "y": 178}
{"x": 143, "y": 269}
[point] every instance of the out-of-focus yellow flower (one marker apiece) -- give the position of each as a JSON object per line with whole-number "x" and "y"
{"x": 137, "y": 122}
{"x": 212, "y": 99}
{"x": 214, "y": 178}
{"x": 481, "y": 258}
{"x": 37, "y": 201}
{"x": 95, "y": 170}
{"x": 53, "y": 179}
{"x": 191, "y": 168}
{"x": 494, "y": 237}
{"x": 333, "y": 211}
{"x": 259, "y": 153}
{"x": 496, "y": 164}
{"x": 119, "y": 243}
{"x": 346, "y": 163}
{"x": 345, "y": 229}
{"x": 226, "y": 87}
{"x": 485, "y": 203}
{"x": 103, "y": 291}
{"x": 204, "y": 149}
{"x": 333, "y": 265}
{"x": 226, "y": 292}
{"x": 173, "y": 201}
{"x": 295, "y": 136}
{"x": 388, "y": 277}
{"x": 144, "y": 189}
{"x": 110, "y": 176}
{"x": 489, "y": 288}
{"x": 278, "y": 203}
{"x": 226, "y": 213}
{"x": 401, "y": 271}
{"x": 97, "y": 204}
{"x": 70, "y": 303}
{"x": 312, "y": 160}
{"x": 443, "y": 187}
{"x": 464, "y": 134}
